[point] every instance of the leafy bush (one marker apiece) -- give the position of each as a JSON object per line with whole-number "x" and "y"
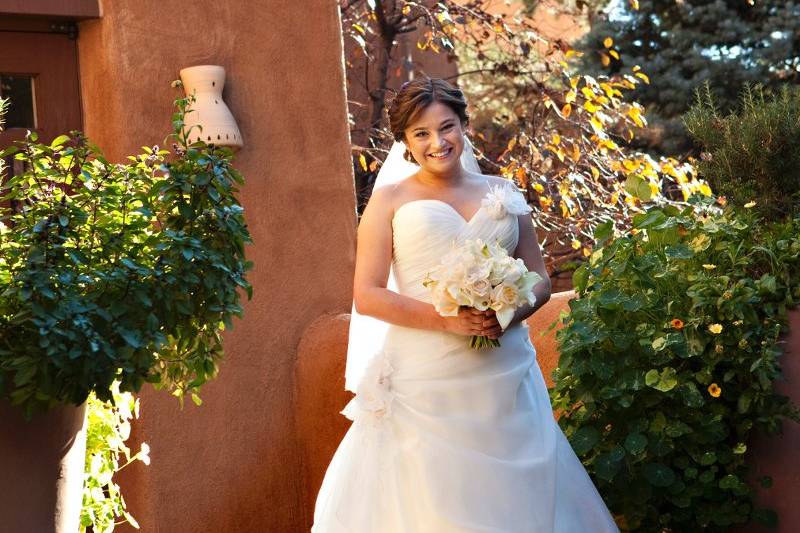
{"x": 668, "y": 358}
{"x": 752, "y": 154}
{"x": 108, "y": 427}
{"x": 122, "y": 272}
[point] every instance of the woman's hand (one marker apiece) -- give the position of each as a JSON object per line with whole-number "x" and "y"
{"x": 471, "y": 321}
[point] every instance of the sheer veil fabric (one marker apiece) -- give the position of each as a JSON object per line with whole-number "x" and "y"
{"x": 367, "y": 334}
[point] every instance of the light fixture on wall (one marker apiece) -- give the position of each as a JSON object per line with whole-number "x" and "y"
{"x": 209, "y": 111}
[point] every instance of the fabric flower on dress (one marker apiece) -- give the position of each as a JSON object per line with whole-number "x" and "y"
{"x": 373, "y": 399}
{"x": 503, "y": 200}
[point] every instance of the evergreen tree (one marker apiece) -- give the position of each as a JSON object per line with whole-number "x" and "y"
{"x": 681, "y": 44}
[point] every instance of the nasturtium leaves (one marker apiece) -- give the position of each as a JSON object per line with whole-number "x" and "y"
{"x": 584, "y": 439}
{"x": 659, "y": 474}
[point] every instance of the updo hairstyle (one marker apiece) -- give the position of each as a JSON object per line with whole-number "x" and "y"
{"x": 416, "y": 95}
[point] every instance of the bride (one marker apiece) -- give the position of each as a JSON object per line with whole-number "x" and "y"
{"x": 445, "y": 438}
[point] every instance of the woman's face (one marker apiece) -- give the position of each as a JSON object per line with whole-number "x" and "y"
{"x": 435, "y": 138}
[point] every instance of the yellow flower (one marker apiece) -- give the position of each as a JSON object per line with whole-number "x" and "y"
{"x": 714, "y": 390}
{"x": 715, "y": 328}
{"x": 721, "y": 200}
{"x": 700, "y": 243}
{"x": 709, "y": 266}
{"x": 676, "y": 323}
{"x": 748, "y": 205}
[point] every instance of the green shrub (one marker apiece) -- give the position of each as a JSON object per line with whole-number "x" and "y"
{"x": 668, "y": 358}
{"x": 122, "y": 272}
{"x": 108, "y": 426}
{"x": 752, "y": 154}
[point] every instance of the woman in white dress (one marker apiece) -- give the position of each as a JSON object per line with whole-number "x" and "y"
{"x": 446, "y": 438}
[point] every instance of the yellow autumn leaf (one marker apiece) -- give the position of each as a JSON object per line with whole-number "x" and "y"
{"x": 595, "y": 173}
{"x": 566, "y": 110}
{"x": 586, "y": 252}
{"x": 643, "y": 76}
{"x": 636, "y": 116}
{"x": 406, "y": 9}
{"x": 608, "y": 42}
{"x": 538, "y": 188}
{"x": 363, "y": 161}
{"x": 576, "y": 244}
{"x": 614, "y": 54}
{"x": 596, "y": 124}
{"x": 522, "y": 177}
{"x": 604, "y": 59}
{"x": 576, "y": 152}
{"x": 570, "y": 97}
{"x": 634, "y": 4}
{"x": 573, "y": 81}
{"x": 556, "y": 139}
{"x": 590, "y": 107}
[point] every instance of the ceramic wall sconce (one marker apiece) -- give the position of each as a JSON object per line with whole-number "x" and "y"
{"x": 209, "y": 111}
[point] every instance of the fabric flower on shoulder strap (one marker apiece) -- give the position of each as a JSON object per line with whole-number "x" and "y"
{"x": 503, "y": 200}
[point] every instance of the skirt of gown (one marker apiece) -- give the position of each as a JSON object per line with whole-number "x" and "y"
{"x": 447, "y": 439}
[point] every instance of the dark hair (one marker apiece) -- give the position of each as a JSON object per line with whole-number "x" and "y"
{"x": 415, "y": 95}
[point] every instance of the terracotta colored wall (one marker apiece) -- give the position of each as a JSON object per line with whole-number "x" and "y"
{"x": 232, "y": 465}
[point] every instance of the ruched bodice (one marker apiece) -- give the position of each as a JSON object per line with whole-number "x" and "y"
{"x": 424, "y": 230}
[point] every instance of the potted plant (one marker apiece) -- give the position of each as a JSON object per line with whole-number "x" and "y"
{"x": 125, "y": 272}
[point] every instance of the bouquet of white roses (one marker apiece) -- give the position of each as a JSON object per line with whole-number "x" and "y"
{"x": 483, "y": 276}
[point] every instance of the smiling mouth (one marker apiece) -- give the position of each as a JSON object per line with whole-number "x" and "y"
{"x": 441, "y": 155}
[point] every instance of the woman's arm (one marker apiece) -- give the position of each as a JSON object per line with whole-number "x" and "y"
{"x": 529, "y": 251}
{"x": 373, "y": 260}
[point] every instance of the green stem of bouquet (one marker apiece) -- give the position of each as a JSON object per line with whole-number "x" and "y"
{"x": 480, "y": 341}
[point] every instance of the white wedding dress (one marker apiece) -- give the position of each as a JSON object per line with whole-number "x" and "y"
{"x": 447, "y": 439}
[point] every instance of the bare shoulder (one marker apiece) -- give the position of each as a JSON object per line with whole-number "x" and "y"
{"x": 385, "y": 200}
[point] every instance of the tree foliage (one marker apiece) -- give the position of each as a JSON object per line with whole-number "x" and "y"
{"x": 681, "y": 45}
{"x": 560, "y": 135}
{"x": 752, "y": 153}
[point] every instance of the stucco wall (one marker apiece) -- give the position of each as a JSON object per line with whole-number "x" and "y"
{"x": 232, "y": 464}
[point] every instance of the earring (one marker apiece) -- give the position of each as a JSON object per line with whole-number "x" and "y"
{"x": 408, "y": 156}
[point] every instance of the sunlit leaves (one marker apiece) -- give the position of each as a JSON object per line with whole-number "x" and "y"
{"x": 673, "y": 363}
{"x": 124, "y": 275}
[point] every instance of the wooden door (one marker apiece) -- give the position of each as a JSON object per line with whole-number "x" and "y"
{"x": 39, "y": 73}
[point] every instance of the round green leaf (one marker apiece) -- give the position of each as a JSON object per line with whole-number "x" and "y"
{"x": 659, "y": 474}
{"x": 584, "y": 439}
{"x": 635, "y": 443}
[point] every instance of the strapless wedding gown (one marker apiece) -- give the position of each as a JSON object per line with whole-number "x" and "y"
{"x": 447, "y": 439}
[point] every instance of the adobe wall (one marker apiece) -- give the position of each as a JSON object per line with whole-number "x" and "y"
{"x": 232, "y": 464}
